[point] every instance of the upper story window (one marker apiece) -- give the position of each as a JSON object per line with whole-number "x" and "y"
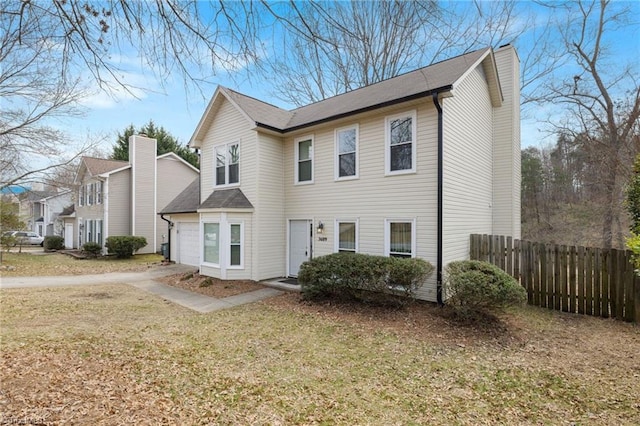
{"x": 347, "y": 153}
{"x": 90, "y": 193}
{"x": 227, "y": 164}
{"x": 99, "y": 189}
{"x": 304, "y": 160}
{"x": 400, "y": 238}
{"x": 81, "y": 193}
{"x": 400, "y": 140}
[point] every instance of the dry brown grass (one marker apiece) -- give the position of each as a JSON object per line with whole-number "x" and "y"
{"x": 114, "y": 355}
{"x": 32, "y": 265}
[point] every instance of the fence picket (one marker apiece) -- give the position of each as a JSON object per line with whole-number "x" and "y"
{"x": 584, "y": 280}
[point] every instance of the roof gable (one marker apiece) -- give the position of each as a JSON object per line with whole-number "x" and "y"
{"x": 97, "y": 166}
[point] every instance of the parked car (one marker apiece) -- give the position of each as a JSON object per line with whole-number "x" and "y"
{"x": 25, "y": 237}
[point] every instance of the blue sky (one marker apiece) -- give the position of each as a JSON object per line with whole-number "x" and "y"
{"x": 178, "y": 111}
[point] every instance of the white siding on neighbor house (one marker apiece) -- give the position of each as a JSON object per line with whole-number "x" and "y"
{"x": 506, "y": 193}
{"x": 467, "y": 177}
{"x": 173, "y": 177}
{"x": 373, "y": 197}
{"x": 142, "y": 155}
{"x": 118, "y": 203}
{"x": 268, "y": 248}
{"x": 229, "y": 126}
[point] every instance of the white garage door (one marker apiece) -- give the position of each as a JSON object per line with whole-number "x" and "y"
{"x": 188, "y": 243}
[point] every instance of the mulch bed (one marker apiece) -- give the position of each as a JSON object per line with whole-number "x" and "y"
{"x": 210, "y": 286}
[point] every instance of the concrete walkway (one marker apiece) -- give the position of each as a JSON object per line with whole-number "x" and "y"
{"x": 146, "y": 281}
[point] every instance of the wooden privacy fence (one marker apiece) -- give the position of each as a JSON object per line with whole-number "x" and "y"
{"x": 583, "y": 280}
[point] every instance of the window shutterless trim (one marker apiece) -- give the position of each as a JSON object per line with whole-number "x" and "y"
{"x": 336, "y": 244}
{"x": 337, "y": 153}
{"x": 296, "y": 170}
{"x": 387, "y": 235}
{"x": 387, "y": 143}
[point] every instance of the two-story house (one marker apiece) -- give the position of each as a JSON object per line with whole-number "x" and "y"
{"x": 124, "y": 197}
{"x": 39, "y": 210}
{"x": 409, "y": 166}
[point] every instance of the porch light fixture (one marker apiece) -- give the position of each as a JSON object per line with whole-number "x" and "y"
{"x": 320, "y": 227}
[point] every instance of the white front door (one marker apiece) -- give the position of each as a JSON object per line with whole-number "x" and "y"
{"x": 68, "y": 235}
{"x": 299, "y": 244}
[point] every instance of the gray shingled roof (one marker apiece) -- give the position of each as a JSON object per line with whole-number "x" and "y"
{"x": 97, "y": 166}
{"x": 431, "y": 79}
{"x": 187, "y": 201}
{"x": 227, "y": 199}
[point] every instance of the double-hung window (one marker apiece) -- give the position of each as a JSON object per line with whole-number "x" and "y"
{"x": 400, "y": 141}
{"x": 400, "y": 238}
{"x": 235, "y": 245}
{"x": 346, "y": 236}
{"x": 81, "y": 195}
{"x": 304, "y": 160}
{"x": 90, "y": 193}
{"x": 99, "y": 188}
{"x": 227, "y": 164}
{"x": 212, "y": 243}
{"x": 346, "y": 153}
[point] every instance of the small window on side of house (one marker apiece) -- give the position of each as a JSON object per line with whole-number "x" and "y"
{"x": 400, "y": 238}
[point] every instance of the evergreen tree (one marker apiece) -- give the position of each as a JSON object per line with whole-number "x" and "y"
{"x": 166, "y": 143}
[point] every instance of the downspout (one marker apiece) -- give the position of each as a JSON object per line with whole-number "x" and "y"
{"x": 169, "y": 226}
{"x": 436, "y": 102}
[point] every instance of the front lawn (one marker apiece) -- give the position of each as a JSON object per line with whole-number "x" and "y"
{"x": 43, "y": 264}
{"x": 115, "y": 355}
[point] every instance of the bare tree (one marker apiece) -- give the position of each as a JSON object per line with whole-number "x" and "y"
{"x": 332, "y": 48}
{"x": 601, "y": 100}
{"x": 53, "y": 51}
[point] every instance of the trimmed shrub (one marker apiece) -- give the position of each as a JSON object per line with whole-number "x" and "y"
{"x": 92, "y": 249}
{"x": 124, "y": 246}
{"x": 474, "y": 288}
{"x": 53, "y": 242}
{"x": 362, "y": 277}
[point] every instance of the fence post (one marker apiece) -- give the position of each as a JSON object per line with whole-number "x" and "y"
{"x": 580, "y": 281}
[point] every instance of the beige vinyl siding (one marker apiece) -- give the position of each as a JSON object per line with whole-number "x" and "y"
{"x": 467, "y": 177}
{"x": 268, "y": 249}
{"x": 373, "y": 197}
{"x": 506, "y": 198}
{"x": 142, "y": 155}
{"x": 229, "y": 126}
{"x": 173, "y": 177}
{"x": 119, "y": 214}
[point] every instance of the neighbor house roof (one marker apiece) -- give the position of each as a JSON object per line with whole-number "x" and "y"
{"x": 226, "y": 199}
{"x": 98, "y": 166}
{"x": 187, "y": 201}
{"x": 436, "y": 78}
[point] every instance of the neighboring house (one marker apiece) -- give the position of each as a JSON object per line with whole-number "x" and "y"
{"x": 39, "y": 210}
{"x": 406, "y": 167}
{"x": 123, "y": 198}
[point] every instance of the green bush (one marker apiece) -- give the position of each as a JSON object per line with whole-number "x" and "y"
{"x": 362, "y": 277}
{"x": 53, "y": 242}
{"x": 474, "y": 288}
{"x": 633, "y": 243}
{"x": 124, "y": 246}
{"x": 92, "y": 249}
